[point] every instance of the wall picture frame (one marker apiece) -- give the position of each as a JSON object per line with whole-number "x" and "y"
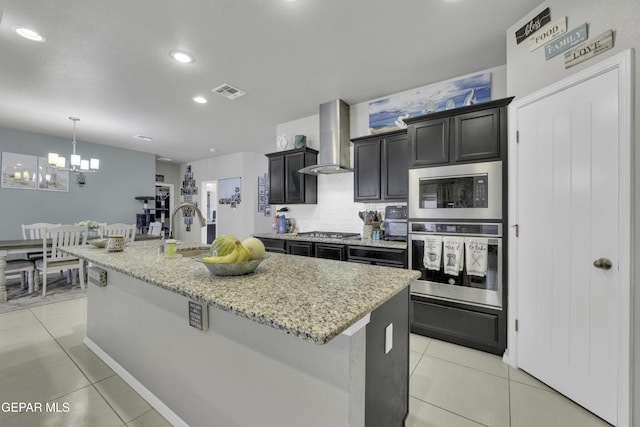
{"x": 18, "y": 171}
{"x": 50, "y": 178}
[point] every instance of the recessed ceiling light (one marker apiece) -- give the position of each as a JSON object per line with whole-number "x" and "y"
{"x": 29, "y": 34}
{"x": 164, "y": 159}
{"x": 181, "y": 56}
{"x": 144, "y": 137}
{"x": 200, "y": 99}
{"x": 213, "y": 150}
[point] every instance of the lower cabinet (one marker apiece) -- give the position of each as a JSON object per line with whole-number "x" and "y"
{"x": 274, "y": 245}
{"x": 474, "y": 327}
{"x": 389, "y": 257}
{"x": 295, "y": 247}
{"x": 331, "y": 251}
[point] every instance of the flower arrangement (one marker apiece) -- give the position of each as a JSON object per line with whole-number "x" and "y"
{"x": 91, "y": 225}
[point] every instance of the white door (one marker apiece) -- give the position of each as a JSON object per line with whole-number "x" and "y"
{"x": 570, "y": 190}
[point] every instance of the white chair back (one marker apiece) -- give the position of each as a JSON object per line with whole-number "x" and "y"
{"x": 35, "y": 231}
{"x": 65, "y": 235}
{"x": 155, "y": 229}
{"x": 126, "y": 230}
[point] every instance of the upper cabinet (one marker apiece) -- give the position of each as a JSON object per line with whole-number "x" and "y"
{"x": 381, "y": 167}
{"x": 286, "y": 184}
{"x": 466, "y": 134}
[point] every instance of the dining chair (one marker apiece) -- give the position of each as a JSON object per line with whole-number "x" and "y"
{"x": 128, "y": 231}
{"x": 63, "y": 236}
{"x": 155, "y": 228}
{"x": 35, "y": 231}
{"x": 22, "y": 268}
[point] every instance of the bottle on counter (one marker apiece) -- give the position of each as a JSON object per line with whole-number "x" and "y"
{"x": 282, "y": 224}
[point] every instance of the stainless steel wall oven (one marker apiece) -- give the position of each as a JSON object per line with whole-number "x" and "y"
{"x": 475, "y": 277}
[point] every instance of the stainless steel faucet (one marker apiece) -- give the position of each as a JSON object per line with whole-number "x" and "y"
{"x": 203, "y": 221}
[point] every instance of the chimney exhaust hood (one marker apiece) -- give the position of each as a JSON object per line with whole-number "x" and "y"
{"x": 334, "y": 140}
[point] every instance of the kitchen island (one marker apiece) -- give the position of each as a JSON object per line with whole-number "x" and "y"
{"x": 301, "y": 341}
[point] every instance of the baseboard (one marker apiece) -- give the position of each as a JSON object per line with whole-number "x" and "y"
{"x": 153, "y": 400}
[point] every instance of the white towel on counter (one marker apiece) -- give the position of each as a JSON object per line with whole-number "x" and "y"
{"x": 432, "y": 252}
{"x": 477, "y": 248}
{"x": 453, "y": 253}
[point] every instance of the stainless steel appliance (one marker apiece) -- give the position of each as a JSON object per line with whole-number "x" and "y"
{"x": 482, "y": 290}
{"x": 466, "y": 191}
{"x": 395, "y": 223}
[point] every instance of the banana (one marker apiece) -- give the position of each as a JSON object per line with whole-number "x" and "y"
{"x": 239, "y": 254}
{"x": 227, "y": 259}
{"x": 244, "y": 253}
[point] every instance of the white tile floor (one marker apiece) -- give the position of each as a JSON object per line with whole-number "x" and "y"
{"x": 42, "y": 359}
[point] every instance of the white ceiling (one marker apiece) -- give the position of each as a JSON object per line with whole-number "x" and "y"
{"x": 107, "y": 62}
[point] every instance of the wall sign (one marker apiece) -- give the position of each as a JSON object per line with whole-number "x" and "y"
{"x": 548, "y": 33}
{"x": 589, "y": 49}
{"x": 569, "y": 40}
{"x": 534, "y": 25}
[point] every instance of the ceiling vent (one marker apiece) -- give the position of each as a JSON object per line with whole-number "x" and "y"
{"x": 229, "y": 91}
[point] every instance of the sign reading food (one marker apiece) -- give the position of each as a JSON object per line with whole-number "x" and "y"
{"x": 548, "y": 33}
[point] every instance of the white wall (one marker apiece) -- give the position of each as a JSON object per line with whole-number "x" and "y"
{"x": 336, "y": 210}
{"x": 246, "y": 218}
{"x": 528, "y": 72}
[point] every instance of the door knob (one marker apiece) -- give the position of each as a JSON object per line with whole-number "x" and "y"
{"x": 603, "y": 263}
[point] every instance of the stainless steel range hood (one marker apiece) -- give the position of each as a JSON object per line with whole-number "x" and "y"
{"x": 334, "y": 140}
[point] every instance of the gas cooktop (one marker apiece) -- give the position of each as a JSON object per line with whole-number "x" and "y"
{"x": 328, "y": 234}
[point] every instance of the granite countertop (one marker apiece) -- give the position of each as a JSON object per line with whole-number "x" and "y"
{"x": 346, "y": 241}
{"x": 312, "y": 298}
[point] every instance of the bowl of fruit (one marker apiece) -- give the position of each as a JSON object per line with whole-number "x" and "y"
{"x": 230, "y": 257}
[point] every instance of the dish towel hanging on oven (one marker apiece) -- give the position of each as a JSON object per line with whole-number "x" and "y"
{"x": 432, "y": 252}
{"x": 453, "y": 254}
{"x": 476, "y": 256}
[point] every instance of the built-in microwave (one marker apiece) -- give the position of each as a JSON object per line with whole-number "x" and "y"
{"x": 466, "y": 191}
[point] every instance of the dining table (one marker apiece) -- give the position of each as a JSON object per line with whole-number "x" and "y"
{"x": 20, "y": 246}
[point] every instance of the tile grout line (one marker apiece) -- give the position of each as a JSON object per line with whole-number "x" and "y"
{"x": 451, "y": 412}
{"x": 469, "y": 367}
{"x": 91, "y": 383}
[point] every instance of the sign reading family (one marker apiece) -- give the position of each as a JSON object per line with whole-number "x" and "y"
{"x": 388, "y": 114}
{"x": 539, "y": 21}
{"x": 562, "y": 44}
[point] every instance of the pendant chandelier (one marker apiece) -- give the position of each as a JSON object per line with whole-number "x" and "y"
{"x": 76, "y": 163}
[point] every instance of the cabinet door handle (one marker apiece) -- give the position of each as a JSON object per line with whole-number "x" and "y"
{"x": 603, "y": 263}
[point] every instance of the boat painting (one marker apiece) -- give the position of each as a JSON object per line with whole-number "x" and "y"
{"x": 387, "y": 114}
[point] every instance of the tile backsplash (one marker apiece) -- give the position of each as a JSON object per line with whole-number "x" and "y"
{"x": 335, "y": 210}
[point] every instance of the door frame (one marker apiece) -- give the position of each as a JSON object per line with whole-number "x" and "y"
{"x": 624, "y": 63}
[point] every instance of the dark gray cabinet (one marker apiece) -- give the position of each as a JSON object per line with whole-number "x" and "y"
{"x": 331, "y": 251}
{"x": 389, "y": 257}
{"x": 381, "y": 167}
{"x": 296, "y": 247}
{"x": 467, "y": 134}
{"x": 286, "y": 184}
{"x": 274, "y": 245}
{"x": 476, "y": 327}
